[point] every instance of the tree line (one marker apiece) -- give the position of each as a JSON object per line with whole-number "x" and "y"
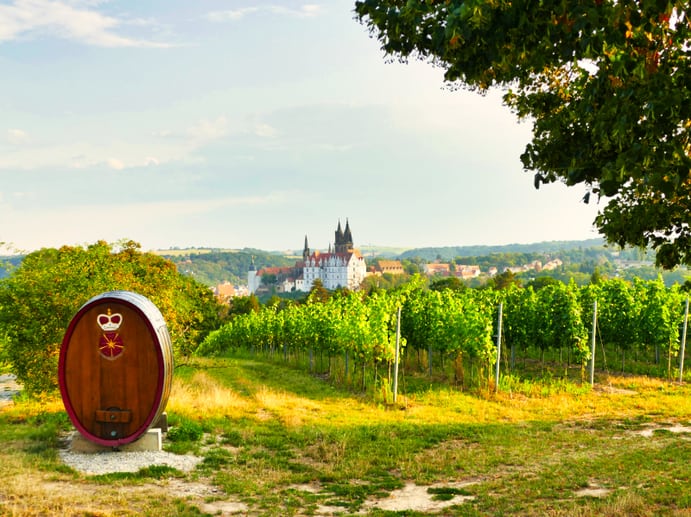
{"x": 442, "y": 322}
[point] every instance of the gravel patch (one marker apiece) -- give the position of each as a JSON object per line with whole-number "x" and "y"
{"x": 676, "y": 428}
{"x": 107, "y": 462}
{"x": 417, "y": 498}
{"x": 593, "y": 492}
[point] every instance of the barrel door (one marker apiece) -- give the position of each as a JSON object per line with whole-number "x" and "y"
{"x": 115, "y": 368}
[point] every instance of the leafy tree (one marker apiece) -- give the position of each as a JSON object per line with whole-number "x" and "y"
{"x": 451, "y": 282}
{"x": 243, "y": 305}
{"x": 596, "y": 277}
{"x": 318, "y": 293}
{"x": 40, "y": 297}
{"x": 410, "y": 267}
{"x": 269, "y": 279}
{"x": 542, "y": 281}
{"x": 374, "y": 283}
{"x": 504, "y": 280}
{"x": 606, "y": 84}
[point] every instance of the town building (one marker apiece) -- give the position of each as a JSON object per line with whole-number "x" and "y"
{"x": 467, "y": 272}
{"x": 436, "y": 269}
{"x": 342, "y": 266}
{"x": 392, "y": 267}
{"x": 224, "y": 291}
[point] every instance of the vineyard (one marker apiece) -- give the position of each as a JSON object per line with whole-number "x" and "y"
{"x": 455, "y": 336}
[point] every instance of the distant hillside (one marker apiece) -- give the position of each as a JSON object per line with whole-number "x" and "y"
{"x": 451, "y": 252}
{"x": 381, "y": 251}
{"x": 212, "y": 267}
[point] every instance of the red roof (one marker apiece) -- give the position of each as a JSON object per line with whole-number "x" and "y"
{"x": 275, "y": 271}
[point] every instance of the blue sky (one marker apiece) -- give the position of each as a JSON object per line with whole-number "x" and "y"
{"x": 238, "y": 124}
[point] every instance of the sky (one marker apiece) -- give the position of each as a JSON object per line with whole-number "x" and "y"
{"x": 238, "y": 123}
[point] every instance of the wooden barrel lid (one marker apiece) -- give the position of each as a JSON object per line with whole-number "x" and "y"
{"x": 115, "y": 368}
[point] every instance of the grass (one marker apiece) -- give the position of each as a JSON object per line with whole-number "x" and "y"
{"x": 279, "y": 442}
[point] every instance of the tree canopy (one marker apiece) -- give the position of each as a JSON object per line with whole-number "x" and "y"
{"x": 606, "y": 84}
{"x": 40, "y": 297}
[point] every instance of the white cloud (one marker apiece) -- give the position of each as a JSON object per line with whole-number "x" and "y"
{"x": 23, "y": 196}
{"x": 207, "y": 130}
{"x": 305, "y": 11}
{"x": 311, "y": 9}
{"x": 17, "y": 136}
{"x": 230, "y": 15}
{"x": 265, "y": 131}
{"x": 81, "y": 162}
{"x": 75, "y": 21}
{"x": 116, "y": 164}
{"x": 164, "y": 133}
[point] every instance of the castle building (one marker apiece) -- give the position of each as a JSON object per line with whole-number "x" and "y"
{"x": 342, "y": 266}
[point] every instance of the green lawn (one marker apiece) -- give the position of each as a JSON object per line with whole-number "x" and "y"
{"x": 276, "y": 441}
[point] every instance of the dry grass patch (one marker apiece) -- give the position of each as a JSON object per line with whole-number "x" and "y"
{"x": 291, "y": 409}
{"x": 621, "y": 503}
{"x": 31, "y": 493}
{"x": 202, "y": 395}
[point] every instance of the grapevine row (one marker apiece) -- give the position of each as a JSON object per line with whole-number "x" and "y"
{"x": 460, "y": 325}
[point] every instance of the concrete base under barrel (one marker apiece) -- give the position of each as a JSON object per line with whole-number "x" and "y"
{"x": 151, "y": 441}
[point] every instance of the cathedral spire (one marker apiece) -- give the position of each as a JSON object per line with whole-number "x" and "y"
{"x": 348, "y": 237}
{"x": 306, "y": 250}
{"x": 339, "y": 237}
{"x": 344, "y": 240}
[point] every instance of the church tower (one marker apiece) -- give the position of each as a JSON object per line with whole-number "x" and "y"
{"x": 306, "y": 251}
{"x": 252, "y": 280}
{"x": 348, "y": 237}
{"x": 339, "y": 238}
{"x": 344, "y": 239}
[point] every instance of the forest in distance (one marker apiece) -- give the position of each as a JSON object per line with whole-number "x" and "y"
{"x": 213, "y": 266}
{"x": 580, "y": 260}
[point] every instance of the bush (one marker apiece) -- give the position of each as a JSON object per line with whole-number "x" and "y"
{"x": 186, "y": 431}
{"x": 40, "y": 297}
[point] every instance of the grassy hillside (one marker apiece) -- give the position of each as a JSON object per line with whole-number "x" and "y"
{"x": 276, "y": 442}
{"x": 212, "y": 267}
{"x": 450, "y": 252}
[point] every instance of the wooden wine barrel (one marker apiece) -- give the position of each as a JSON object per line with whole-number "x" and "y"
{"x": 116, "y": 367}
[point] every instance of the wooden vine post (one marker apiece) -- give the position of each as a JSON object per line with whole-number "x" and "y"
{"x": 592, "y": 345}
{"x": 397, "y": 354}
{"x": 683, "y": 342}
{"x": 499, "y": 322}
